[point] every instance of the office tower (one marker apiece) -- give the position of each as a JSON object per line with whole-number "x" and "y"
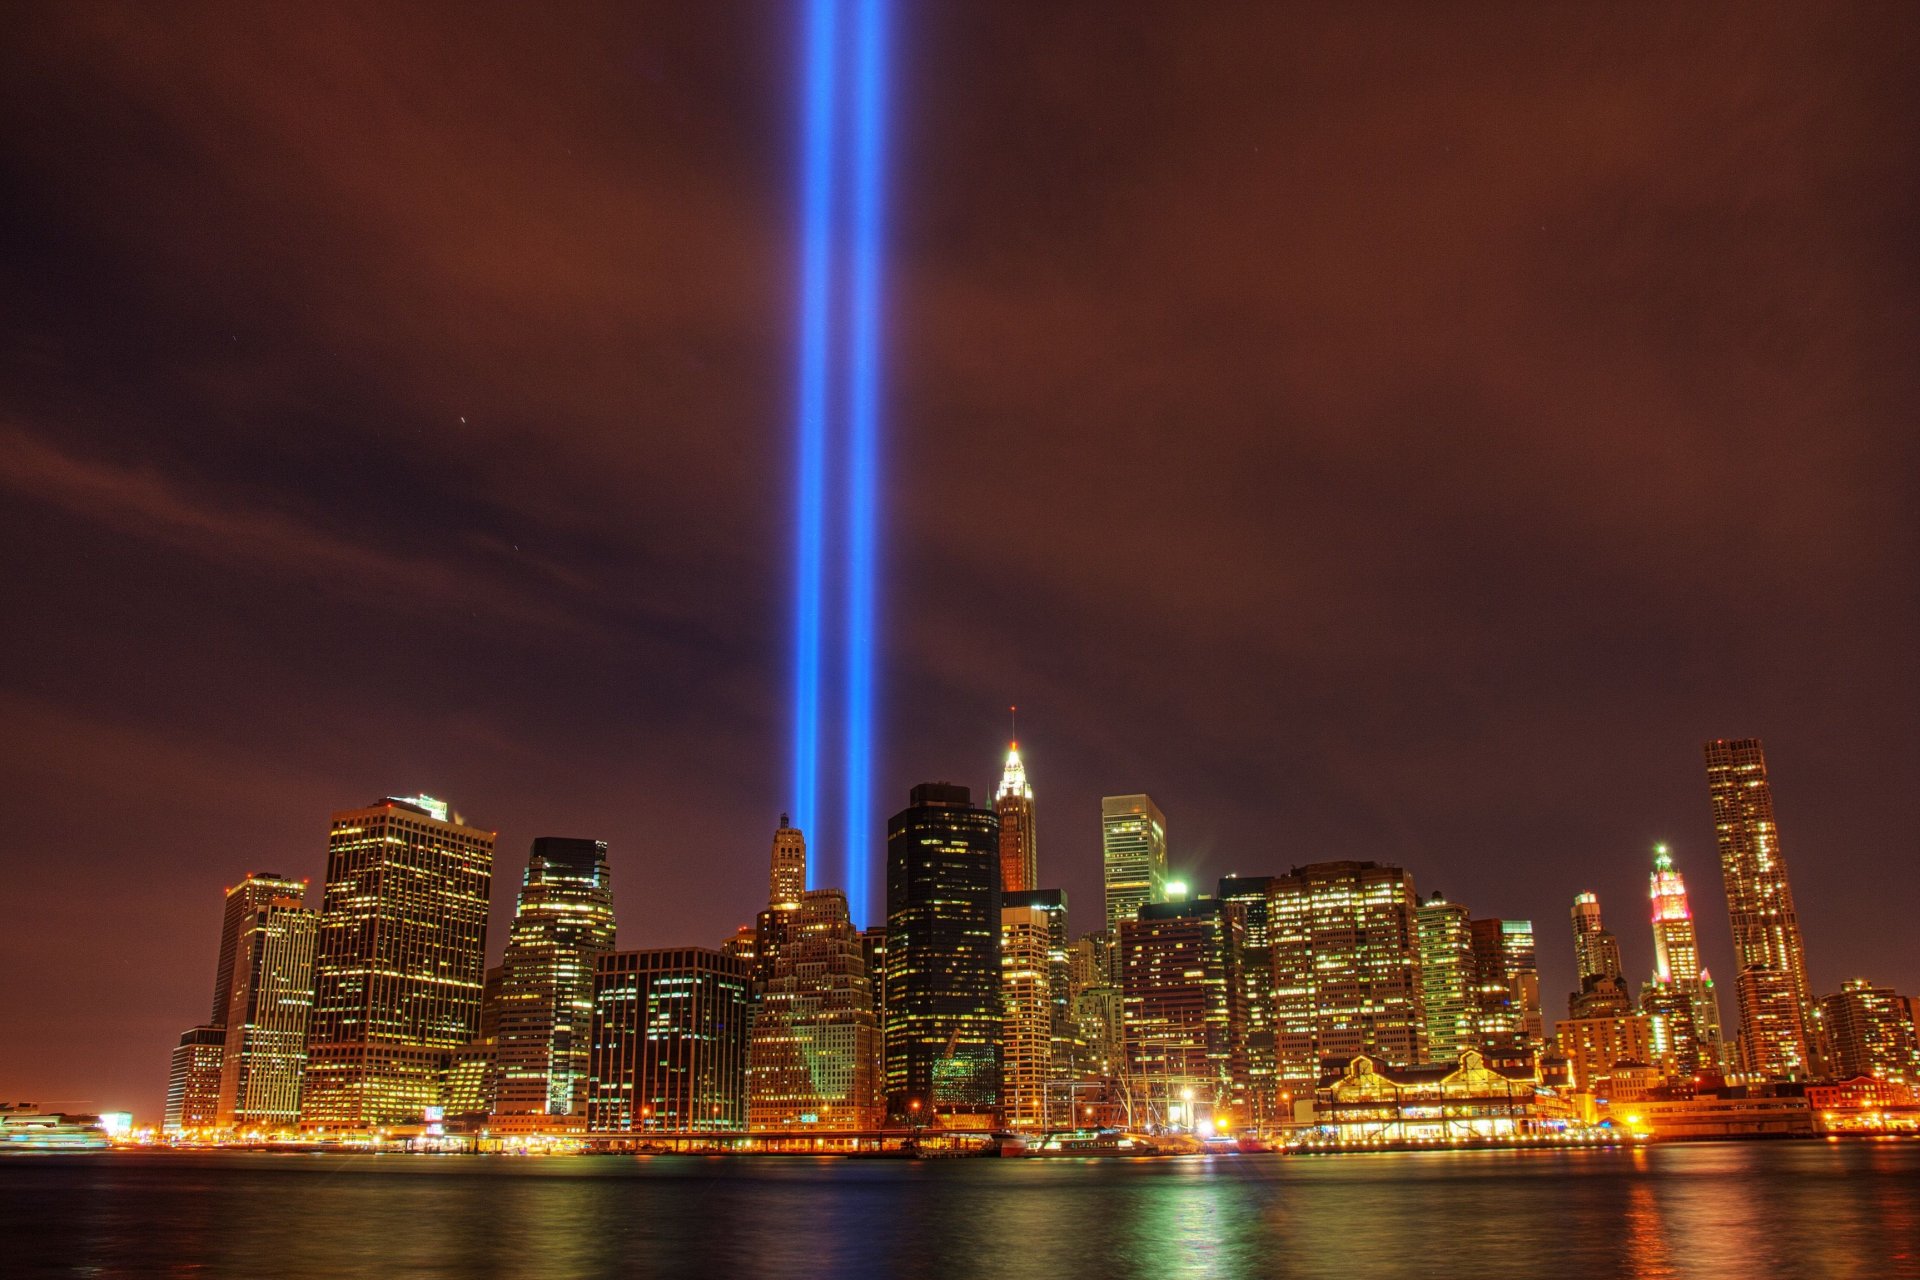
{"x": 873, "y": 946}
{"x": 270, "y": 1000}
{"x": 669, "y": 1043}
{"x": 1506, "y": 985}
{"x": 401, "y": 967}
{"x": 1252, "y": 894}
{"x": 193, "y": 1079}
{"x": 1094, "y": 1005}
{"x": 562, "y": 925}
{"x": 742, "y": 944}
{"x": 1872, "y": 1033}
{"x": 1779, "y": 1026}
{"x": 1678, "y": 978}
{"x": 1183, "y": 1017}
{"x": 1594, "y": 1046}
{"x": 1133, "y": 856}
{"x": 788, "y": 877}
{"x": 255, "y": 889}
{"x": 1346, "y": 964}
{"x": 1596, "y": 953}
{"x": 814, "y": 1054}
{"x": 786, "y": 882}
{"x": 943, "y": 958}
{"x": 1027, "y": 1027}
{"x": 473, "y": 1077}
{"x": 1013, "y": 805}
{"x": 1067, "y": 1050}
{"x": 1446, "y": 977}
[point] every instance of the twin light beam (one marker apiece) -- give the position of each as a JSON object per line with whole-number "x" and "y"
{"x": 838, "y": 410}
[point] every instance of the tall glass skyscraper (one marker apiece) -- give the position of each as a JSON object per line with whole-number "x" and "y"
{"x": 943, "y": 1004}
{"x": 1446, "y": 977}
{"x": 1133, "y": 853}
{"x": 402, "y": 962}
{"x": 670, "y": 1029}
{"x": 1779, "y": 1022}
{"x": 270, "y": 1001}
{"x": 562, "y": 925}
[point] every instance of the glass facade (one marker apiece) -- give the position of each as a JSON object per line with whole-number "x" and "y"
{"x": 669, "y": 1054}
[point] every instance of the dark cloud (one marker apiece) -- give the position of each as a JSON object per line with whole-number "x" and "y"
{"x": 1395, "y": 432}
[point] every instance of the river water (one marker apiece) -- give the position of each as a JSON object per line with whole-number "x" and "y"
{"x": 1732, "y": 1209}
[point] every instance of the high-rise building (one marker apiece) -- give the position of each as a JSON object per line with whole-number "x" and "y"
{"x": 473, "y": 1078}
{"x": 1510, "y": 1026}
{"x": 270, "y": 1001}
{"x": 255, "y": 889}
{"x": 562, "y": 925}
{"x": 1183, "y": 1015}
{"x": 1026, "y": 1041}
{"x": 401, "y": 967}
{"x": 1446, "y": 977}
{"x": 1779, "y": 1023}
{"x": 1094, "y": 1005}
{"x": 788, "y": 877}
{"x": 1067, "y": 1049}
{"x": 1346, "y": 969}
{"x": 943, "y": 958}
{"x": 1133, "y": 855}
{"x": 1013, "y": 805}
{"x": 814, "y": 1056}
{"x": 193, "y": 1079}
{"x": 1680, "y": 998}
{"x": 1253, "y": 895}
{"x": 1596, "y": 953}
{"x": 1872, "y": 1033}
{"x": 742, "y": 944}
{"x": 1594, "y": 1046}
{"x": 669, "y": 1043}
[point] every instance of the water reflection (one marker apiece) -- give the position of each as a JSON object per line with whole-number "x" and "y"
{"x": 1679, "y": 1212}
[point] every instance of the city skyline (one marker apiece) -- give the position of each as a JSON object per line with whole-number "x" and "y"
{"x": 1372, "y": 464}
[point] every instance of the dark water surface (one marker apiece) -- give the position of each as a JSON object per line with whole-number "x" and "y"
{"x": 1734, "y": 1209}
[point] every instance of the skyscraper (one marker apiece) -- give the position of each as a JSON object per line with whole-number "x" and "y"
{"x": 1596, "y": 953}
{"x": 562, "y": 925}
{"x": 1253, "y": 895}
{"x": 943, "y": 958}
{"x": 1510, "y": 1026}
{"x": 669, "y": 1043}
{"x": 1133, "y": 854}
{"x": 814, "y": 1055}
{"x": 1680, "y": 999}
{"x": 1346, "y": 966}
{"x": 1779, "y": 1023}
{"x": 1013, "y": 805}
{"x": 1026, "y": 975}
{"x": 1872, "y": 1033}
{"x": 788, "y": 878}
{"x": 401, "y": 967}
{"x": 193, "y": 1079}
{"x": 270, "y": 1000}
{"x": 1446, "y": 977}
{"x": 1183, "y": 1014}
{"x": 1067, "y": 1050}
{"x": 255, "y": 889}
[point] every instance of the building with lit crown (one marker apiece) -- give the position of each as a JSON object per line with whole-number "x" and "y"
{"x": 1596, "y": 953}
{"x": 401, "y": 964}
{"x": 1346, "y": 963}
{"x": 813, "y": 1061}
{"x": 943, "y": 996}
{"x": 1013, "y": 806}
{"x": 669, "y": 1049}
{"x": 1779, "y": 1023}
{"x": 270, "y": 1002}
{"x": 1133, "y": 856}
{"x": 1680, "y": 997}
{"x": 787, "y": 878}
{"x": 562, "y": 924}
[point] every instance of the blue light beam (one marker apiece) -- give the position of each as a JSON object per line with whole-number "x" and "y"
{"x": 863, "y": 421}
{"x": 816, "y": 233}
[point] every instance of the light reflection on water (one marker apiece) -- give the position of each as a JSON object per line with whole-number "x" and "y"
{"x": 1669, "y": 1213}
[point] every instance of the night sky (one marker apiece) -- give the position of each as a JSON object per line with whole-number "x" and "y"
{"x": 1402, "y": 434}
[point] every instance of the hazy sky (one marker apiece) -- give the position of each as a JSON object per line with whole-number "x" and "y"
{"x": 1400, "y": 434}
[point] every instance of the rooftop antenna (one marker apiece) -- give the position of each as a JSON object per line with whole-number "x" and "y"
{"x": 1013, "y": 724}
